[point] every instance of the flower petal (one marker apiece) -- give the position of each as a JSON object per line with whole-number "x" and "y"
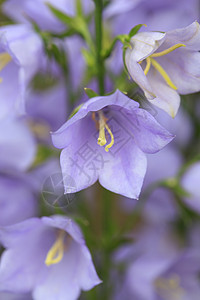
{"x": 124, "y": 172}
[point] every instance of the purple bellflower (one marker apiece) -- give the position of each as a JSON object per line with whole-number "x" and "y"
{"x": 38, "y": 11}
{"x": 157, "y": 14}
{"x": 106, "y": 140}
{"x": 54, "y": 264}
{"x": 190, "y": 182}
{"x": 165, "y": 65}
{"x": 159, "y": 268}
{"x": 20, "y": 58}
{"x": 17, "y": 144}
{"x": 155, "y": 276}
{"x": 17, "y": 199}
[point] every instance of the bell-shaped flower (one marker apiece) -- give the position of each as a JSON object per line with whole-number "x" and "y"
{"x": 106, "y": 140}
{"x": 47, "y": 257}
{"x": 17, "y": 144}
{"x": 190, "y": 183}
{"x": 165, "y": 65}
{"x": 20, "y": 57}
{"x": 39, "y": 11}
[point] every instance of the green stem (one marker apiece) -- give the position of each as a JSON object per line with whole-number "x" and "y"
{"x": 98, "y": 31}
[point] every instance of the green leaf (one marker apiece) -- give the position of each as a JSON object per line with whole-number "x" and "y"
{"x": 135, "y": 29}
{"x": 61, "y": 16}
{"x": 123, "y": 38}
{"x": 76, "y": 109}
{"x": 90, "y": 93}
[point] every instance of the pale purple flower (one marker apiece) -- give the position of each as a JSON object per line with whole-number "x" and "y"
{"x": 37, "y": 10}
{"x": 46, "y": 110}
{"x": 157, "y": 14}
{"x": 190, "y": 183}
{"x": 18, "y": 200}
{"x": 20, "y": 58}
{"x": 162, "y": 277}
{"x": 47, "y": 257}
{"x": 106, "y": 140}
{"x": 175, "y": 126}
{"x": 165, "y": 65}
{"x": 14, "y": 296}
{"x": 17, "y": 144}
{"x": 159, "y": 269}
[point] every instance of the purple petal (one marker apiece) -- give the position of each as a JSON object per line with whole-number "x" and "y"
{"x": 150, "y": 136}
{"x": 124, "y": 172}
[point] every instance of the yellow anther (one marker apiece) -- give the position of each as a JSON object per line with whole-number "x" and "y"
{"x": 5, "y": 58}
{"x": 146, "y": 70}
{"x": 102, "y": 138}
{"x": 55, "y": 254}
{"x": 112, "y": 139}
{"x": 164, "y": 52}
{"x": 162, "y": 72}
{"x": 157, "y": 66}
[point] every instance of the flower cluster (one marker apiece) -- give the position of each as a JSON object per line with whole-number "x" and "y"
{"x": 115, "y": 214}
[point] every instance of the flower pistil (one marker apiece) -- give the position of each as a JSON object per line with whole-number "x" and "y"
{"x": 151, "y": 61}
{"x": 102, "y": 136}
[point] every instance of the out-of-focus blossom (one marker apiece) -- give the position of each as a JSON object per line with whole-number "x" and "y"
{"x": 12, "y": 296}
{"x": 160, "y": 269}
{"x": 17, "y": 144}
{"x": 160, "y": 205}
{"x": 166, "y": 64}
{"x": 20, "y": 57}
{"x": 175, "y": 126}
{"x": 157, "y": 14}
{"x": 46, "y": 110}
{"x": 160, "y": 277}
{"x": 113, "y": 152}
{"x": 17, "y": 199}
{"x": 54, "y": 263}
{"x": 190, "y": 182}
{"x": 37, "y": 10}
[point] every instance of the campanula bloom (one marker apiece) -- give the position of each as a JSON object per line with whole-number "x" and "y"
{"x": 17, "y": 199}
{"x": 159, "y": 268}
{"x": 17, "y": 144}
{"x": 165, "y": 65}
{"x": 47, "y": 257}
{"x": 20, "y": 58}
{"x": 106, "y": 140}
{"x": 157, "y": 14}
{"x": 190, "y": 183}
{"x": 38, "y": 11}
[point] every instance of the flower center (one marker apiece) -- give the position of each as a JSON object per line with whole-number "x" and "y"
{"x": 151, "y": 61}
{"x": 103, "y": 127}
{"x": 5, "y": 58}
{"x": 56, "y": 252}
{"x": 169, "y": 288}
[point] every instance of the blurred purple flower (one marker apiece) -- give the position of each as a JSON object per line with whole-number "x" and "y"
{"x": 172, "y": 64}
{"x": 157, "y": 14}
{"x": 175, "y": 126}
{"x": 54, "y": 263}
{"x": 160, "y": 269}
{"x": 20, "y": 57}
{"x": 46, "y": 110}
{"x": 37, "y": 10}
{"x": 17, "y": 144}
{"x": 190, "y": 182}
{"x": 17, "y": 199}
{"x": 14, "y": 296}
{"x": 126, "y": 131}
